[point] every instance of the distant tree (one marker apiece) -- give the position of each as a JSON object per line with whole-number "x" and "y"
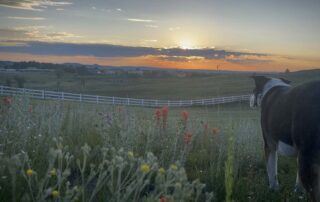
{"x": 20, "y": 81}
{"x": 287, "y": 71}
{"x": 8, "y": 82}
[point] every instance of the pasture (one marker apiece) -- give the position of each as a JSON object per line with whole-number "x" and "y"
{"x": 61, "y": 151}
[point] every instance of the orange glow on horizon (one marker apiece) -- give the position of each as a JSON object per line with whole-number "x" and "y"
{"x": 276, "y": 63}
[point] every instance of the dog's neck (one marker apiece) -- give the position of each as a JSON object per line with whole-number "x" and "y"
{"x": 271, "y": 84}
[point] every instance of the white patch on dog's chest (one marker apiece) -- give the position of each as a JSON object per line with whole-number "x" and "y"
{"x": 287, "y": 150}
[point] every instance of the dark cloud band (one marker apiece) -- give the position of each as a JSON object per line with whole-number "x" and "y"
{"x": 107, "y": 50}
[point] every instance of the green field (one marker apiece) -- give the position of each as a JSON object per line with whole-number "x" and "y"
{"x": 224, "y": 149}
{"x": 143, "y": 87}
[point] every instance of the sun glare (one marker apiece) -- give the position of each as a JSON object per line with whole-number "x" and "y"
{"x": 186, "y": 44}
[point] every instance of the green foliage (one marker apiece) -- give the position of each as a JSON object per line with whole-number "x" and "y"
{"x": 20, "y": 80}
{"x": 118, "y": 153}
{"x": 229, "y": 168}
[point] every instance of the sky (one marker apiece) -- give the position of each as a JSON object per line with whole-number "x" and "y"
{"x": 245, "y": 35}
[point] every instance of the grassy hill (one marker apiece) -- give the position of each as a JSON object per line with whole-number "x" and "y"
{"x": 147, "y": 87}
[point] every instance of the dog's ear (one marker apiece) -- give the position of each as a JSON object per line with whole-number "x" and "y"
{"x": 285, "y": 80}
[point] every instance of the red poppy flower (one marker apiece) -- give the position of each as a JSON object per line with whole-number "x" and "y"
{"x": 187, "y": 137}
{"x": 215, "y": 131}
{"x": 7, "y": 100}
{"x": 158, "y": 114}
{"x": 184, "y": 116}
{"x": 163, "y": 199}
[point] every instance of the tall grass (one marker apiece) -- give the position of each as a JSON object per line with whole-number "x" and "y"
{"x": 81, "y": 152}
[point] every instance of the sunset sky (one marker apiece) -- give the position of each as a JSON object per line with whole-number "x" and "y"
{"x": 253, "y": 35}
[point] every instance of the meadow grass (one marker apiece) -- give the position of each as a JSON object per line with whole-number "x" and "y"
{"x": 83, "y": 152}
{"x": 204, "y": 86}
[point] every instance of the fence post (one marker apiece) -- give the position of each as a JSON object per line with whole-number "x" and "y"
{"x": 43, "y": 94}
{"x": 80, "y": 97}
{"x": 62, "y": 95}
{"x": 97, "y": 99}
{"x": 168, "y": 103}
{"x": 113, "y": 100}
{"x": 142, "y": 102}
{"x": 128, "y": 101}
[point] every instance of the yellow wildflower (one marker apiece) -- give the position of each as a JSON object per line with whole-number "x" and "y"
{"x": 145, "y": 168}
{"x": 130, "y": 154}
{"x": 55, "y": 194}
{"x": 29, "y": 172}
{"x": 174, "y": 167}
{"x": 162, "y": 170}
{"x": 178, "y": 185}
{"x": 53, "y": 172}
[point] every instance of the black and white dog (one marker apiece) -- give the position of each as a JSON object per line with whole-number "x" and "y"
{"x": 290, "y": 122}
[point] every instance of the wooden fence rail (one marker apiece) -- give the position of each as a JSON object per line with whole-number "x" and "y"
{"x": 53, "y": 95}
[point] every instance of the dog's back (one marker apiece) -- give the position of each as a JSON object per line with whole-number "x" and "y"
{"x": 306, "y": 116}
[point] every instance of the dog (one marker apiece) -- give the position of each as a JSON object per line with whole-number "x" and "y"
{"x": 290, "y": 123}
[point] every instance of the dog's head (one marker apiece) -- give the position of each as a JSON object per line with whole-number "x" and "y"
{"x": 260, "y": 87}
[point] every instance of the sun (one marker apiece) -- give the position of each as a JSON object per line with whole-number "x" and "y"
{"x": 186, "y": 43}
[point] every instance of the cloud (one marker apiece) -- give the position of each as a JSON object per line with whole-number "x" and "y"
{"x": 113, "y": 51}
{"x": 28, "y": 33}
{"x": 6, "y": 34}
{"x": 36, "y": 5}
{"x": 152, "y": 26}
{"x": 139, "y": 20}
{"x": 25, "y": 18}
{"x": 171, "y": 29}
{"x": 248, "y": 59}
{"x": 150, "y": 40}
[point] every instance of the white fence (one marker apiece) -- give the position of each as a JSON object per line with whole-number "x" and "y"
{"x": 53, "y": 95}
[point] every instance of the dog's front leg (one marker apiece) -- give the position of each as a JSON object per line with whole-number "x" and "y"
{"x": 272, "y": 168}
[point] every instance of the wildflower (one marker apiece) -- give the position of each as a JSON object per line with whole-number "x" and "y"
{"x": 205, "y": 126}
{"x": 55, "y": 194}
{"x": 174, "y": 167}
{"x": 130, "y": 154}
{"x": 53, "y": 172}
{"x": 30, "y": 109}
{"x": 162, "y": 171}
{"x": 215, "y": 131}
{"x": 164, "y": 112}
{"x": 178, "y": 185}
{"x": 185, "y": 116}
{"x": 187, "y": 137}
{"x": 158, "y": 115}
{"x": 162, "y": 199}
{"x": 29, "y": 172}
{"x": 145, "y": 168}
{"x": 7, "y": 100}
